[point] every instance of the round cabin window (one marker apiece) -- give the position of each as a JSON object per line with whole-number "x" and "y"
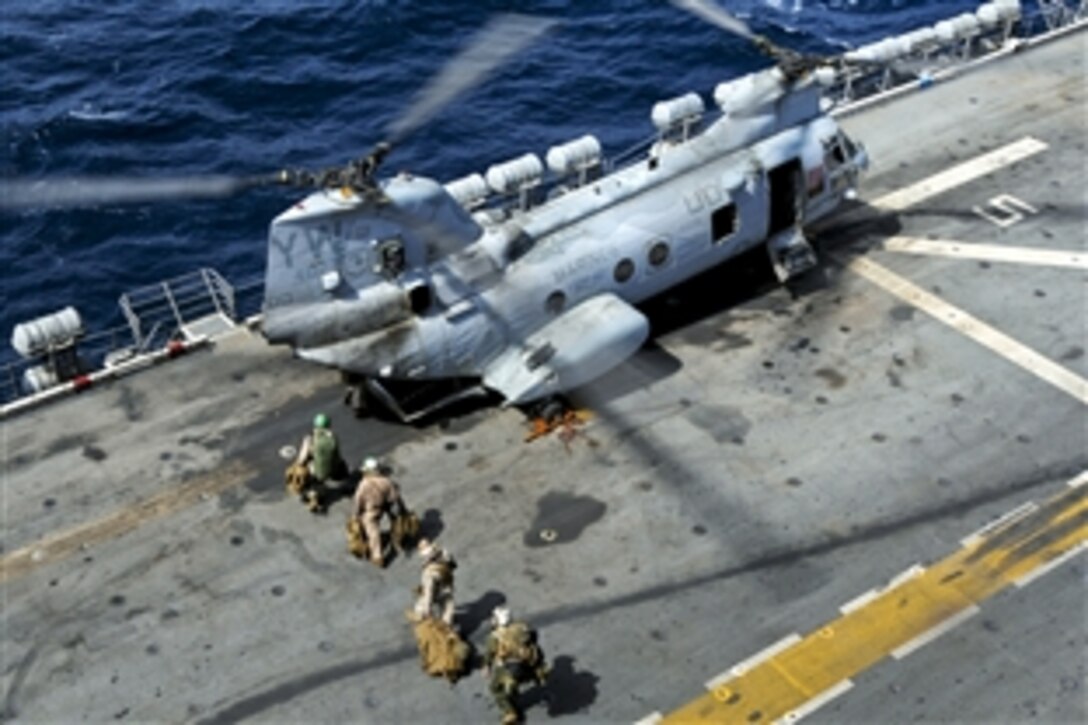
{"x": 556, "y": 302}
{"x": 659, "y": 254}
{"x": 625, "y": 269}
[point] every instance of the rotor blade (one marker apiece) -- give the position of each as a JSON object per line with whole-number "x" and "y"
{"x": 501, "y": 38}
{"x": 716, "y": 16}
{"x": 97, "y": 191}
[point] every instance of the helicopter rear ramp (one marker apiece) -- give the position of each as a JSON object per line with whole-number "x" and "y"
{"x": 750, "y": 489}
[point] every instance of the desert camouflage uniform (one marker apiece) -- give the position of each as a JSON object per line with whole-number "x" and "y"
{"x": 375, "y": 497}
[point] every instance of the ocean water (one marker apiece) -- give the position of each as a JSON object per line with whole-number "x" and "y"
{"x": 192, "y": 87}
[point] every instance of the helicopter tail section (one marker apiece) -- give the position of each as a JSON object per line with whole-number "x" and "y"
{"x": 343, "y": 264}
{"x": 581, "y": 344}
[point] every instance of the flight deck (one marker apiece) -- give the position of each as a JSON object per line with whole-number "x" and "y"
{"x": 748, "y": 489}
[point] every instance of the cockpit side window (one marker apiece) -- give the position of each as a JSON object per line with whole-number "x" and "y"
{"x": 838, "y": 149}
{"x": 834, "y": 156}
{"x": 847, "y": 145}
{"x": 837, "y": 153}
{"x": 391, "y": 260}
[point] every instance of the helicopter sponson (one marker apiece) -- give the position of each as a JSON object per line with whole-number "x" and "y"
{"x": 528, "y": 282}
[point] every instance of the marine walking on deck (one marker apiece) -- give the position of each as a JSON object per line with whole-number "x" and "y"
{"x": 436, "y": 582}
{"x": 376, "y": 496}
{"x": 513, "y": 658}
{"x": 317, "y": 466}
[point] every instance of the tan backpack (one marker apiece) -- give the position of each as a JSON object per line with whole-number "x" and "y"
{"x": 356, "y": 539}
{"x": 517, "y": 644}
{"x": 442, "y": 652}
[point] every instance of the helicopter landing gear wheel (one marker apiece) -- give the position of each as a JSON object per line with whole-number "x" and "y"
{"x": 358, "y": 399}
{"x": 549, "y": 410}
{"x": 554, "y": 414}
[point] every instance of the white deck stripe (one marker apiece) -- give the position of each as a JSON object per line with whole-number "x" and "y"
{"x": 718, "y": 680}
{"x": 1006, "y": 518}
{"x": 933, "y": 633}
{"x": 762, "y": 656}
{"x": 912, "y": 572}
{"x": 860, "y": 601}
{"x": 815, "y": 703}
{"x": 1000, "y": 343}
{"x": 987, "y": 252}
{"x": 1050, "y": 565}
{"x": 1079, "y": 480}
{"x": 960, "y": 174}
{"x": 651, "y": 719}
{"x": 863, "y": 599}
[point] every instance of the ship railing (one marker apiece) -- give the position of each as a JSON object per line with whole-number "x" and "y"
{"x": 95, "y": 351}
{"x": 199, "y": 304}
{"x": 248, "y": 298}
{"x": 920, "y": 65}
{"x": 10, "y": 387}
{"x": 194, "y": 304}
{"x": 1056, "y": 14}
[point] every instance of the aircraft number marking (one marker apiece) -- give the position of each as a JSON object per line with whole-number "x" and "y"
{"x": 1008, "y": 210}
{"x": 706, "y": 197}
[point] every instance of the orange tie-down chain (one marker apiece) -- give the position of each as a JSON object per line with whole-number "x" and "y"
{"x": 567, "y": 424}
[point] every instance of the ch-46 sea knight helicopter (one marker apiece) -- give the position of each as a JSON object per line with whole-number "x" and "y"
{"x": 522, "y": 284}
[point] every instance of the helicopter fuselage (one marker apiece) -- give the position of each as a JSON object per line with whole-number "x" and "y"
{"x": 534, "y": 294}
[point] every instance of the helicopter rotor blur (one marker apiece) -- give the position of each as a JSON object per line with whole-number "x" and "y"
{"x": 526, "y": 284}
{"x": 793, "y": 64}
{"x": 517, "y": 281}
{"x": 504, "y": 36}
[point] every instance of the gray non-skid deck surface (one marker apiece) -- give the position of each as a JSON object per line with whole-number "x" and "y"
{"x": 766, "y": 464}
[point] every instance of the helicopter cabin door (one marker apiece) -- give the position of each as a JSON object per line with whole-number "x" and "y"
{"x": 789, "y": 251}
{"x": 785, "y": 192}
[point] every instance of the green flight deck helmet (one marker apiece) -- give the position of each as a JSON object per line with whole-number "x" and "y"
{"x": 321, "y": 421}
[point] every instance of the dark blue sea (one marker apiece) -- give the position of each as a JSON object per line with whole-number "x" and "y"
{"x": 191, "y": 87}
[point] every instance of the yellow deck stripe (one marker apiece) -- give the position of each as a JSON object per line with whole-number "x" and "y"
{"x": 824, "y": 660}
{"x": 64, "y": 543}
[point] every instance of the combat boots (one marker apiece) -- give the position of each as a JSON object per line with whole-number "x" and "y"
{"x": 313, "y": 502}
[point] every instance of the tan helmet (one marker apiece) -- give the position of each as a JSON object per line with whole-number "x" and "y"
{"x": 500, "y": 616}
{"x": 426, "y": 548}
{"x": 371, "y": 465}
